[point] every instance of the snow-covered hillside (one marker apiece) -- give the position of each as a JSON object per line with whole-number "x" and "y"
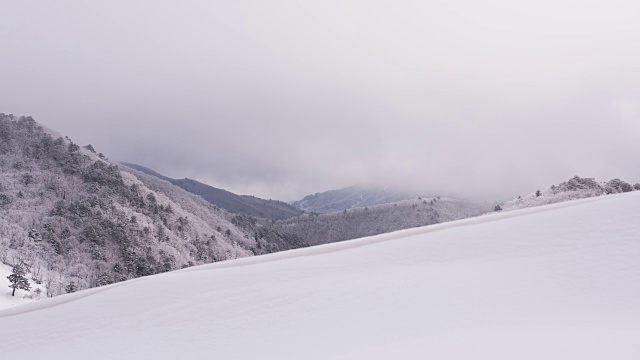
{"x": 552, "y": 282}
{"x": 355, "y": 223}
{"x": 21, "y": 296}
{"x": 74, "y": 220}
{"x": 572, "y": 189}
{"x": 237, "y": 204}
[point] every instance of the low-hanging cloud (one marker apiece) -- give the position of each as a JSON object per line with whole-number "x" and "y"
{"x": 280, "y": 99}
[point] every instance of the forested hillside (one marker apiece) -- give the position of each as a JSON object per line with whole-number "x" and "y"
{"x": 352, "y": 197}
{"x": 394, "y": 211}
{"x": 237, "y": 204}
{"x": 355, "y": 223}
{"x": 75, "y": 220}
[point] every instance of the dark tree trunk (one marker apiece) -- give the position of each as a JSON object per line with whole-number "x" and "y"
{"x": 14, "y": 292}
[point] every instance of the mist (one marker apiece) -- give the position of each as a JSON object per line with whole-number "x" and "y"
{"x": 487, "y": 100}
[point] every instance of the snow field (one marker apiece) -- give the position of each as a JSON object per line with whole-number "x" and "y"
{"x": 555, "y": 282}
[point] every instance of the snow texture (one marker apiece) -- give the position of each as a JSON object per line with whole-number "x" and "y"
{"x": 553, "y": 282}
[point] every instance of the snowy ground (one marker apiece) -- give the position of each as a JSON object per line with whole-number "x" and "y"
{"x": 6, "y": 300}
{"x": 554, "y": 282}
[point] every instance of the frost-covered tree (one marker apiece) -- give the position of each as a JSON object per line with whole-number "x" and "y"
{"x": 18, "y": 280}
{"x": 71, "y": 288}
{"x": 36, "y": 294}
{"x": 617, "y": 186}
{"x": 572, "y": 189}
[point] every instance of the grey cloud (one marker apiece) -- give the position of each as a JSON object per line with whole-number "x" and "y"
{"x": 280, "y": 99}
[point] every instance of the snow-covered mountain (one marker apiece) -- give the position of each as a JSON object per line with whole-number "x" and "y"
{"x": 239, "y": 204}
{"x": 352, "y": 197}
{"x": 553, "y": 282}
{"x": 68, "y": 215}
{"x": 371, "y": 211}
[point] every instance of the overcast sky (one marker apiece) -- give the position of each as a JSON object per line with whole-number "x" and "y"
{"x": 490, "y": 99}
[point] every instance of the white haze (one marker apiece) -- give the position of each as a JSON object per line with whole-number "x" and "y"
{"x": 487, "y": 99}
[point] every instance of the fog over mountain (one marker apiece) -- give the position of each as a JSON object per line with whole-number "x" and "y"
{"x": 352, "y": 197}
{"x": 241, "y": 204}
{"x": 280, "y": 100}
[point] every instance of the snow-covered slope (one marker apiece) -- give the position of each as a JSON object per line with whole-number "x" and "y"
{"x": 21, "y": 296}
{"x": 552, "y": 282}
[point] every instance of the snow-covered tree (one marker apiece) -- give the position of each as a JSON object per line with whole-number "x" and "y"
{"x": 572, "y": 189}
{"x": 71, "y": 288}
{"x": 617, "y": 186}
{"x": 18, "y": 280}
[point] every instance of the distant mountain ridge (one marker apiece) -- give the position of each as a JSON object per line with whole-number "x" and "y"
{"x": 238, "y": 204}
{"x": 352, "y": 197}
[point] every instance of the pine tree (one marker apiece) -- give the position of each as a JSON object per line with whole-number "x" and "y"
{"x": 538, "y": 193}
{"x": 18, "y": 281}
